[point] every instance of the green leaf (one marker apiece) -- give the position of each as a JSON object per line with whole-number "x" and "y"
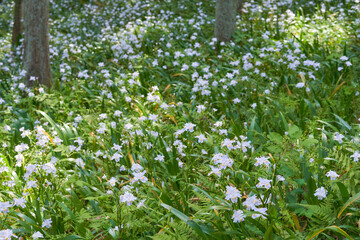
{"x": 311, "y": 107}
{"x": 344, "y": 192}
{"x": 252, "y": 129}
{"x": 274, "y": 149}
{"x": 348, "y": 203}
{"x": 269, "y": 233}
{"x": 309, "y": 142}
{"x": 197, "y": 189}
{"x": 186, "y": 219}
{"x": 72, "y": 215}
{"x": 332, "y": 228}
{"x": 72, "y": 237}
{"x": 275, "y": 137}
{"x": 342, "y": 122}
{"x": 329, "y": 125}
{"x": 294, "y": 132}
{"x": 51, "y": 121}
{"x": 112, "y": 233}
{"x": 88, "y": 91}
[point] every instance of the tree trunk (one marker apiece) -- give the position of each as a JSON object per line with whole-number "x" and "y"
{"x": 18, "y": 25}
{"x": 239, "y": 5}
{"x": 36, "y": 58}
{"x": 225, "y": 19}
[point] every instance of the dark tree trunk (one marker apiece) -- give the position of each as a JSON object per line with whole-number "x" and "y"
{"x": 18, "y": 25}
{"x": 225, "y": 19}
{"x": 239, "y": 5}
{"x": 36, "y": 58}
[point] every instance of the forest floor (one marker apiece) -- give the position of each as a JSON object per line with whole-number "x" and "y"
{"x": 154, "y": 130}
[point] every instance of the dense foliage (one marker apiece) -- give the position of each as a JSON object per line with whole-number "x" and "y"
{"x": 155, "y": 130}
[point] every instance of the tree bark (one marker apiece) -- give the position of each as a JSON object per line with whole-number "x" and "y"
{"x": 225, "y": 19}
{"x": 239, "y": 5}
{"x": 36, "y": 58}
{"x": 18, "y": 25}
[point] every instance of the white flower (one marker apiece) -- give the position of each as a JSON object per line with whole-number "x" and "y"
{"x": 178, "y": 132}
{"x": 262, "y": 161}
{"x": 160, "y": 158}
{"x": 22, "y": 147}
{"x": 300, "y": 85}
{"x": 128, "y": 126}
{"x": 117, "y": 113}
{"x": 20, "y": 202}
{"x": 31, "y": 184}
{"x": 356, "y": 156}
{"x": 116, "y": 157}
{"x": 264, "y": 183}
{"x": 116, "y": 147}
{"x": 332, "y": 174}
{"x": 37, "y": 235}
{"x": 136, "y": 167}
{"x": 4, "y": 207}
{"x": 224, "y": 161}
{"x": 260, "y": 210}
{"x": 164, "y": 106}
{"x": 338, "y": 137}
{"x": 189, "y": 127}
{"x": 19, "y": 159}
{"x": 127, "y": 198}
{"x": 280, "y": 178}
{"x": 238, "y": 216}
{"x": 155, "y": 63}
{"x": 6, "y": 234}
{"x": 320, "y": 193}
{"x": 47, "y": 223}
{"x": 251, "y": 202}
{"x": 201, "y": 138}
{"x": 215, "y": 170}
{"x": 25, "y": 133}
{"x": 139, "y": 176}
{"x": 79, "y": 141}
{"x": 153, "y": 117}
{"x": 218, "y": 124}
{"x": 49, "y": 168}
{"x": 344, "y": 58}
{"x": 153, "y": 98}
{"x": 141, "y": 204}
{"x": 112, "y": 181}
{"x": 72, "y": 148}
{"x": 200, "y": 108}
{"x": 57, "y": 140}
{"x": 223, "y": 131}
{"x": 80, "y": 162}
{"x": 102, "y": 116}
{"x": 232, "y": 194}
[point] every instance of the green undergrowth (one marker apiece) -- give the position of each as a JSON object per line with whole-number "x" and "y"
{"x": 152, "y": 129}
